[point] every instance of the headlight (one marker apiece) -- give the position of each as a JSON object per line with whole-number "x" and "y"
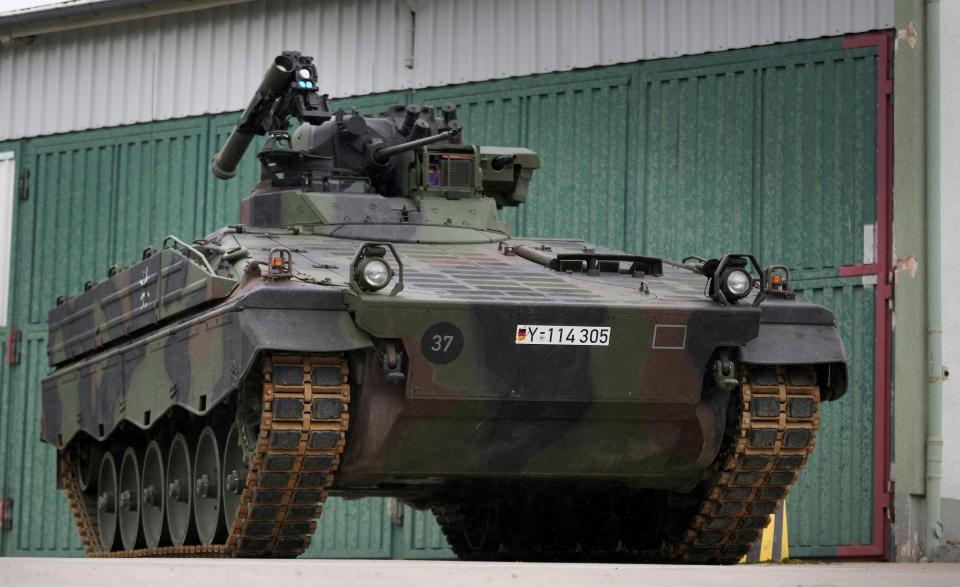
{"x": 736, "y": 283}
{"x": 373, "y": 274}
{"x": 729, "y": 279}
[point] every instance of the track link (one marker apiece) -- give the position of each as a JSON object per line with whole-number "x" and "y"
{"x": 302, "y": 434}
{"x": 773, "y": 427}
{"x": 779, "y": 418}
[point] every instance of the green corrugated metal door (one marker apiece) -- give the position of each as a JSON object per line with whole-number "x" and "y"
{"x": 766, "y": 149}
{"x": 95, "y": 199}
{"x": 578, "y": 123}
{"x": 769, "y": 150}
{"x": 42, "y": 525}
{"x": 353, "y": 529}
{"x": 377, "y": 528}
{"x": 819, "y": 154}
{"x": 776, "y": 154}
{"x": 58, "y": 233}
{"x": 421, "y": 537}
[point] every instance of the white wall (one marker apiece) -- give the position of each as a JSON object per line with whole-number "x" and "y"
{"x": 7, "y": 172}
{"x": 950, "y": 227}
{"x": 211, "y": 60}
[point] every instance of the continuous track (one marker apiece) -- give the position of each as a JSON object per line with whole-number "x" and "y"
{"x": 773, "y": 425}
{"x": 778, "y": 422}
{"x": 302, "y": 433}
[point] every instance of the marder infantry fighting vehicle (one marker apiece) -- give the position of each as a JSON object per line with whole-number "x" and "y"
{"x": 371, "y": 328}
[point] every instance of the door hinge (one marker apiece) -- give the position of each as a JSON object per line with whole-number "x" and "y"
{"x": 13, "y": 347}
{"x": 887, "y": 498}
{"x": 23, "y": 185}
{"x": 6, "y": 513}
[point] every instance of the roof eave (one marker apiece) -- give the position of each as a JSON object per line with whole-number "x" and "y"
{"x": 74, "y": 15}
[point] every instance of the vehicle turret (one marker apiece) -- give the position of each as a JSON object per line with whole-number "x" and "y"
{"x": 409, "y": 151}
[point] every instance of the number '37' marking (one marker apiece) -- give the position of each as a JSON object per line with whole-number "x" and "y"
{"x": 441, "y": 343}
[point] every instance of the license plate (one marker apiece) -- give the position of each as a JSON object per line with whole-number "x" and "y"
{"x": 563, "y": 335}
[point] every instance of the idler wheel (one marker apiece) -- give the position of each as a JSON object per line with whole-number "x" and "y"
{"x": 87, "y": 456}
{"x": 207, "y": 481}
{"x": 128, "y": 501}
{"x": 107, "y": 506}
{"x": 153, "y": 497}
{"x": 179, "y": 497}
{"x": 234, "y": 475}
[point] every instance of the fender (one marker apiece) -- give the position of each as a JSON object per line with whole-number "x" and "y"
{"x": 193, "y": 365}
{"x": 797, "y": 333}
{"x": 301, "y": 331}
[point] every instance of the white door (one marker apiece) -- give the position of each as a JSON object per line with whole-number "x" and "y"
{"x": 7, "y": 168}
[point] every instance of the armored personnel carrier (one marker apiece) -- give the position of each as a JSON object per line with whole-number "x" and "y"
{"x": 371, "y": 328}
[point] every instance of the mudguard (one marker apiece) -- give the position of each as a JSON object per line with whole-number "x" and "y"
{"x": 194, "y": 365}
{"x": 786, "y": 343}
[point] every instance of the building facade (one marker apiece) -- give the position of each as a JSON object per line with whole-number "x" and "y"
{"x": 773, "y": 116}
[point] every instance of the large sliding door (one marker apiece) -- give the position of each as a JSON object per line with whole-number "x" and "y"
{"x": 772, "y": 150}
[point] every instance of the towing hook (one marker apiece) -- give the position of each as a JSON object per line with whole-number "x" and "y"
{"x": 391, "y": 361}
{"x": 725, "y": 374}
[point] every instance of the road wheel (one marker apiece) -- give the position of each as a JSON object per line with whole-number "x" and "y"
{"x": 179, "y": 496}
{"x": 129, "y": 500}
{"x": 207, "y": 477}
{"x": 107, "y": 502}
{"x": 234, "y": 475}
{"x": 153, "y": 497}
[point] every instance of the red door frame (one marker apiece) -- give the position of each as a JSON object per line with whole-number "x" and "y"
{"x": 881, "y": 268}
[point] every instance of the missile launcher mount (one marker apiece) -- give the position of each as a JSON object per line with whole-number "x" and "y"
{"x": 370, "y": 328}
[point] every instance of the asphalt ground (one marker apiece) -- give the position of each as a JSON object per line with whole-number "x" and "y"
{"x": 29, "y": 572}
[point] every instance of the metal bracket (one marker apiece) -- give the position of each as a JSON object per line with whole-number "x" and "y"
{"x": 13, "y": 346}
{"x": 391, "y": 361}
{"x": 179, "y": 244}
{"x": 725, "y": 373}
{"x": 23, "y": 185}
{"x": 783, "y": 287}
{"x": 279, "y": 264}
{"x": 506, "y": 249}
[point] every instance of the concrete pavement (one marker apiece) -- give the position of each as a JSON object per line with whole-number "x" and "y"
{"x": 27, "y": 572}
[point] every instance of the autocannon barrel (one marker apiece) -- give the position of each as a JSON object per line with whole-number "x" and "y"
{"x": 381, "y": 156}
{"x": 255, "y": 118}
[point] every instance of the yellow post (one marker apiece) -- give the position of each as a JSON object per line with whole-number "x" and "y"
{"x": 774, "y": 544}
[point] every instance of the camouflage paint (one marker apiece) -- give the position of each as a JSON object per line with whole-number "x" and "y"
{"x": 193, "y": 363}
{"x": 636, "y": 393}
{"x": 151, "y": 292}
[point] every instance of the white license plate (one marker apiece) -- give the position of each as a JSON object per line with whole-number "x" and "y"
{"x": 563, "y": 335}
